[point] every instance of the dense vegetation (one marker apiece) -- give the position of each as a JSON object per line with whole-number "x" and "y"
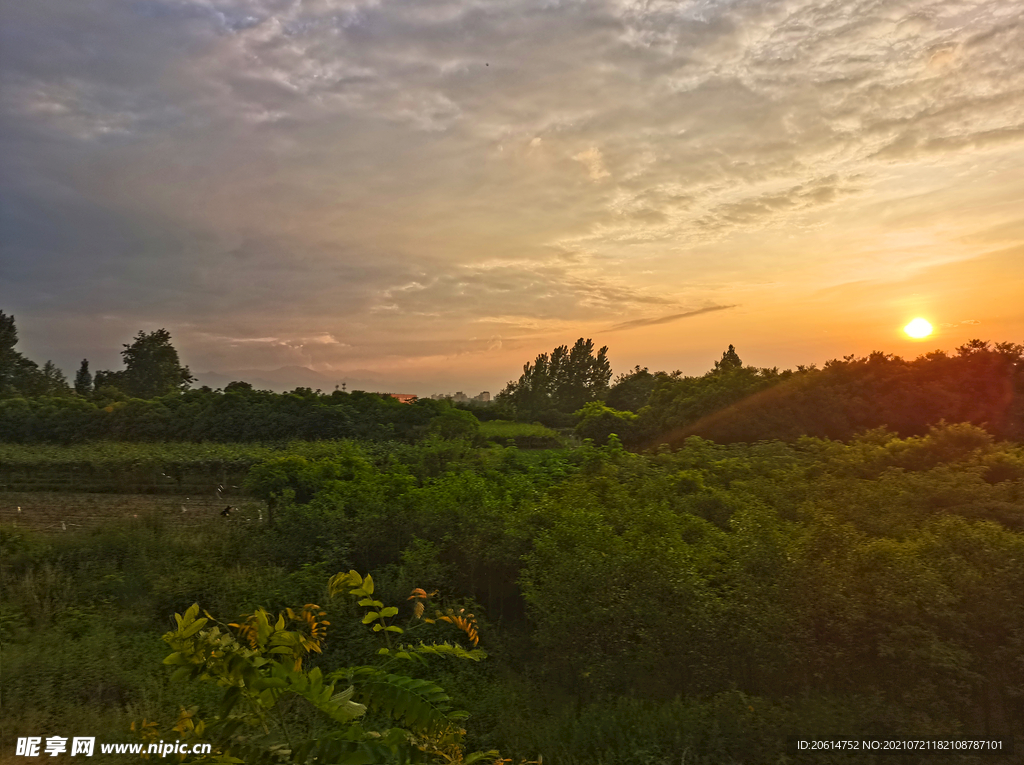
{"x": 816, "y": 552}
{"x": 556, "y": 385}
{"x": 240, "y": 414}
{"x": 711, "y": 599}
{"x": 150, "y": 401}
{"x": 981, "y": 383}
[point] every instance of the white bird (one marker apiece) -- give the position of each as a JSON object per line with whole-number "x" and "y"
{"x": 63, "y": 526}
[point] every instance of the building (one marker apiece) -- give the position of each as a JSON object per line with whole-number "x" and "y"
{"x": 461, "y": 398}
{"x": 405, "y": 398}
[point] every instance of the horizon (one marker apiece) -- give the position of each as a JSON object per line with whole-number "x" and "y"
{"x": 298, "y": 371}
{"x": 289, "y": 377}
{"x": 432, "y": 196}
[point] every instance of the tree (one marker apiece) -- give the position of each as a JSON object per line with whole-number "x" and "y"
{"x": 560, "y": 383}
{"x": 8, "y": 356}
{"x": 455, "y": 423}
{"x": 730, "y": 360}
{"x": 53, "y": 381}
{"x": 632, "y": 390}
{"x": 22, "y": 376}
{"x": 598, "y": 422}
{"x": 151, "y": 369}
{"x": 83, "y": 379}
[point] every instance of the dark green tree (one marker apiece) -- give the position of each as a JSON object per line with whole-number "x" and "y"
{"x": 598, "y": 422}
{"x": 730, "y": 360}
{"x": 22, "y": 376}
{"x": 53, "y": 382}
{"x": 83, "y": 379}
{"x": 8, "y": 356}
{"x": 559, "y": 383}
{"x": 578, "y": 375}
{"x": 152, "y": 368}
{"x": 632, "y": 390}
{"x": 107, "y": 379}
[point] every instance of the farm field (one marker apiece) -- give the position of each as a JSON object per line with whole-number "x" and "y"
{"x": 69, "y": 512}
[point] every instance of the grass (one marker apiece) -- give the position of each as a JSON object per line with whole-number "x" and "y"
{"x": 496, "y": 430}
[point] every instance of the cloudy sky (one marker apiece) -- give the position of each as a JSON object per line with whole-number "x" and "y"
{"x": 430, "y": 192}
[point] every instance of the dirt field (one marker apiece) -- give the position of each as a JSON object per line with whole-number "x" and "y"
{"x": 68, "y": 512}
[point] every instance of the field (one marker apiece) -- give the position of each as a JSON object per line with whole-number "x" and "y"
{"x": 712, "y": 599}
{"x": 69, "y": 512}
{"x": 525, "y": 435}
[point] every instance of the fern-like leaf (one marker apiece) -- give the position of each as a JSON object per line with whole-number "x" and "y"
{"x": 420, "y": 705}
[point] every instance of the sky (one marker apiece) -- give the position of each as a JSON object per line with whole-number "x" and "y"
{"x": 428, "y": 193}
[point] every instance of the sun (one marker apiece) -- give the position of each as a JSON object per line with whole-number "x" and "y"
{"x": 918, "y": 328}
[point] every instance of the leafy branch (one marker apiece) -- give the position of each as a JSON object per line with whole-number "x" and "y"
{"x": 259, "y": 660}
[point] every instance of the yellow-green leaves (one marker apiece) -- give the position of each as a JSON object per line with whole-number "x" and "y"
{"x": 258, "y": 660}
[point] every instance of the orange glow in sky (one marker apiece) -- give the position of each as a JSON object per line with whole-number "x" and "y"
{"x": 423, "y": 201}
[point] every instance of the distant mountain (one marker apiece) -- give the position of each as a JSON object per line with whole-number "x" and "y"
{"x": 291, "y": 377}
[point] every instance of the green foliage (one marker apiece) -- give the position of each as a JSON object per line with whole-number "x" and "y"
{"x": 598, "y": 422}
{"x": 239, "y": 414}
{"x": 730, "y": 361}
{"x": 982, "y": 384}
{"x": 554, "y": 386}
{"x": 521, "y": 434}
{"x": 632, "y": 390}
{"x": 144, "y": 467}
{"x": 300, "y": 477}
{"x": 260, "y": 664}
{"x": 21, "y": 376}
{"x": 83, "y": 379}
{"x": 455, "y": 423}
{"x": 637, "y": 607}
{"x": 152, "y": 367}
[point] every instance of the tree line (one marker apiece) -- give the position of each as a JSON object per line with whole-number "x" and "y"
{"x": 151, "y": 369}
{"x": 980, "y": 383}
{"x": 569, "y": 388}
{"x": 151, "y": 399}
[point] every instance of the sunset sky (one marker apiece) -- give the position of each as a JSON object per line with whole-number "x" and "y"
{"x": 430, "y": 193}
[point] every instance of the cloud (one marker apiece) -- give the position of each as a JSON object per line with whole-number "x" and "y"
{"x": 498, "y": 290}
{"x": 761, "y": 209}
{"x": 593, "y": 160}
{"x": 667, "y": 319}
{"x": 364, "y": 168}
